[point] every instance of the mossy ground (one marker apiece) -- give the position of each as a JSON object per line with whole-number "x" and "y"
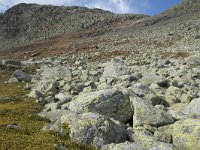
{"x": 23, "y": 112}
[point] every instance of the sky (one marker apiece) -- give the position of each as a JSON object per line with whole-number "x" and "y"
{"x": 149, "y": 7}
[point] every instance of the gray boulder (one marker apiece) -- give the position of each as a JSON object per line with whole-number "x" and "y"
{"x": 122, "y": 146}
{"x": 55, "y": 128}
{"x": 11, "y": 62}
{"x": 111, "y": 103}
{"x": 193, "y": 108}
{"x": 63, "y": 97}
{"x": 147, "y": 114}
{"x": 147, "y": 141}
{"x": 47, "y": 86}
{"x": 185, "y": 134}
{"x": 151, "y": 77}
{"x": 58, "y": 72}
{"x": 173, "y": 95}
{"x": 94, "y": 129}
{"x": 77, "y": 88}
{"x": 40, "y": 98}
{"x": 22, "y": 76}
{"x": 35, "y": 94}
{"x": 193, "y": 60}
{"x": 115, "y": 68}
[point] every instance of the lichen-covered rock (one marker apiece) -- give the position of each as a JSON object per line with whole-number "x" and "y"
{"x": 147, "y": 141}
{"x": 94, "y": 129}
{"x": 151, "y": 77}
{"x": 185, "y": 134}
{"x": 162, "y": 134}
{"x": 173, "y": 95}
{"x": 193, "y": 60}
{"x": 147, "y": 114}
{"x": 111, "y": 103}
{"x": 178, "y": 115}
{"x": 147, "y": 92}
{"x": 46, "y": 86}
{"x": 55, "y": 128}
{"x": 77, "y": 88}
{"x": 122, "y": 146}
{"x": 63, "y": 97}
{"x": 193, "y": 108}
{"x": 58, "y": 72}
{"x": 35, "y": 94}
{"x": 115, "y": 68}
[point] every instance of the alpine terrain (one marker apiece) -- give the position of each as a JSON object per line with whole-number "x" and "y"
{"x": 80, "y": 78}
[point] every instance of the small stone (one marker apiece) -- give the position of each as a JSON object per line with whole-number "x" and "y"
{"x": 13, "y": 80}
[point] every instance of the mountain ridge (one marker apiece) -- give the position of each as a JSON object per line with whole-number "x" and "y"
{"x": 35, "y": 22}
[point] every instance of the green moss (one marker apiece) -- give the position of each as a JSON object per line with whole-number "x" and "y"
{"x": 23, "y": 112}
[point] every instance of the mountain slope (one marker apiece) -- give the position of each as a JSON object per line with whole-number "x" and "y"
{"x": 173, "y": 33}
{"x": 25, "y": 23}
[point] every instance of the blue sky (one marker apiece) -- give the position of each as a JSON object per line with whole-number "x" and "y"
{"x": 150, "y": 7}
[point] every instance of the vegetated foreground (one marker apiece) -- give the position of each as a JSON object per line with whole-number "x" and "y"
{"x": 20, "y": 125}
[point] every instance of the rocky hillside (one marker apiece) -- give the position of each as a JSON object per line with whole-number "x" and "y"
{"x": 173, "y": 33}
{"x": 117, "y": 81}
{"x": 26, "y": 23}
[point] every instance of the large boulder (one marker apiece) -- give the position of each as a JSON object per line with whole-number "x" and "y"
{"x": 111, "y": 103}
{"x": 22, "y": 76}
{"x": 58, "y": 72}
{"x": 122, "y": 146}
{"x": 94, "y": 129}
{"x": 173, "y": 95}
{"x": 151, "y": 77}
{"x": 147, "y": 141}
{"x": 63, "y": 97}
{"x": 147, "y": 114}
{"x": 193, "y": 60}
{"x": 186, "y": 134}
{"x": 47, "y": 86}
{"x": 193, "y": 109}
{"x": 115, "y": 68}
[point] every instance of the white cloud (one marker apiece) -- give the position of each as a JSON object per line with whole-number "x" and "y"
{"x": 118, "y": 6}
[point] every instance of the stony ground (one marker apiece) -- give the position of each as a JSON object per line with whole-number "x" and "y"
{"x": 20, "y": 125}
{"x": 134, "y": 85}
{"x": 126, "y": 103}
